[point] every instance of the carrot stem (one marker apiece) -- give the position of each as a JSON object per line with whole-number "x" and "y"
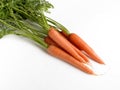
{"x": 58, "y": 25}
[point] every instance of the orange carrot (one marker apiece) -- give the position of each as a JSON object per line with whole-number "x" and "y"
{"x": 81, "y": 44}
{"x": 49, "y": 41}
{"x": 65, "y": 35}
{"x": 61, "y": 54}
{"x": 81, "y": 54}
{"x": 64, "y": 43}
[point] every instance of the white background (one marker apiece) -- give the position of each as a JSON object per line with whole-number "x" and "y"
{"x": 25, "y": 66}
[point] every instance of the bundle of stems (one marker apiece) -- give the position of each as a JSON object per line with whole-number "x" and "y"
{"x": 27, "y": 18}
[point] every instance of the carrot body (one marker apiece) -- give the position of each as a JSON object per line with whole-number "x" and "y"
{"x": 64, "y": 34}
{"x": 81, "y": 44}
{"x": 59, "y": 53}
{"x": 81, "y": 54}
{"x": 64, "y": 43}
{"x": 49, "y": 41}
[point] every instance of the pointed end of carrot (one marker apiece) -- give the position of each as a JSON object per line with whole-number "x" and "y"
{"x": 93, "y": 73}
{"x": 98, "y": 59}
{"x": 101, "y": 62}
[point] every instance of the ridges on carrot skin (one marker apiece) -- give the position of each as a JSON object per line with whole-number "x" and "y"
{"x": 64, "y": 43}
{"x": 61, "y": 54}
{"x": 81, "y": 44}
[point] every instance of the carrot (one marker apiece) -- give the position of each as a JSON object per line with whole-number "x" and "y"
{"x": 61, "y": 54}
{"x": 49, "y": 41}
{"x": 81, "y": 44}
{"x": 65, "y": 35}
{"x": 64, "y": 43}
{"x": 81, "y": 54}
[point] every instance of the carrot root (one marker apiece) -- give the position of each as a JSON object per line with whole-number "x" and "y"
{"x": 81, "y": 44}
{"x": 64, "y": 44}
{"x": 65, "y": 35}
{"x": 59, "y": 53}
{"x": 49, "y": 41}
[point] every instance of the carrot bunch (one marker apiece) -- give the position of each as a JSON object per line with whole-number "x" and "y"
{"x": 26, "y": 18}
{"x": 70, "y": 52}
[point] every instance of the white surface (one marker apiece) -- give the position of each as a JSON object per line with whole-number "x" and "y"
{"x": 24, "y": 66}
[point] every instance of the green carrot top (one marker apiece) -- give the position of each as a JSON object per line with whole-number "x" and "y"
{"x": 16, "y": 14}
{"x": 25, "y": 17}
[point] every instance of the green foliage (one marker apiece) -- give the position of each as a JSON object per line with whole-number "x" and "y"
{"x": 13, "y": 16}
{"x": 21, "y": 17}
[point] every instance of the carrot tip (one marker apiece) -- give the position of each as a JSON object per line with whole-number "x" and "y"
{"x": 103, "y": 63}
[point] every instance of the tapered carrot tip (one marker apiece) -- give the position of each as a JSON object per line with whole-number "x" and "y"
{"x": 81, "y": 44}
{"x": 95, "y": 58}
{"x": 102, "y": 62}
{"x": 98, "y": 59}
{"x": 94, "y": 74}
{"x": 90, "y": 70}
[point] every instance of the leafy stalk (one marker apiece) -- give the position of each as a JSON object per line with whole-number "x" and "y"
{"x": 13, "y": 16}
{"x": 22, "y": 31}
{"x": 58, "y": 25}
